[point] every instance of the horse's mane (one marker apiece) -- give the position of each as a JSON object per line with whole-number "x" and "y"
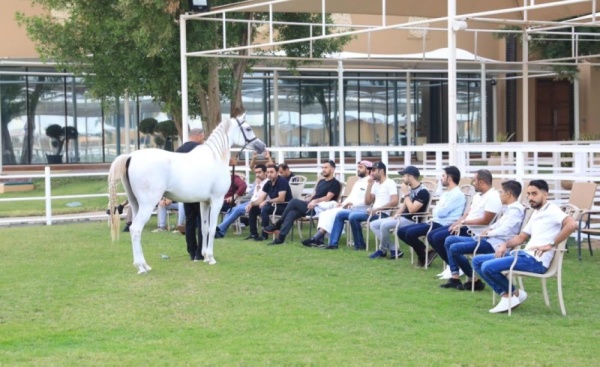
{"x": 218, "y": 141}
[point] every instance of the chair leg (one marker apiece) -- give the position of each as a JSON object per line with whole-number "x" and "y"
{"x": 560, "y": 295}
{"x": 546, "y": 299}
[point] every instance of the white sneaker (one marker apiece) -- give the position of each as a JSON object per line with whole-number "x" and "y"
{"x": 522, "y": 296}
{"x": 159, "y": 230}
{"x": 502, "y": 306}
{"x": 446, "y": 274}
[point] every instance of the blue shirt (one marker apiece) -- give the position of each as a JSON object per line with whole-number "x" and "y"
{"x": 450, "y": 207}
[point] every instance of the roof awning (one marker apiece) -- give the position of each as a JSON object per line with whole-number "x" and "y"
{"x": 503, "y": 9}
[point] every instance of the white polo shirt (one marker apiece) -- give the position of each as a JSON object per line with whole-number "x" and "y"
{"x": 543, "y": 227}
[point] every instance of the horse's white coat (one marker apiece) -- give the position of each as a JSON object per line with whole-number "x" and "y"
{"x": 201, "y": 175}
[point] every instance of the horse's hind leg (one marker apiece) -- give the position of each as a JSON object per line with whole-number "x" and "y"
{"x": 139, "y": 221}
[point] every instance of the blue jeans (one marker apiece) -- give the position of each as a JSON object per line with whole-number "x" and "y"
{"x": 490, "y": 268}
{"x": 338, "y": 226}
{"x": 437, "y": 238}
{"x": 458, "y": 246}
{"x": 232, "y": 215}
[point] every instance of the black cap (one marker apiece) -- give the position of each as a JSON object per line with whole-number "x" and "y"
{"x": 379, "y": 165}
{"x": 410, "y": 170}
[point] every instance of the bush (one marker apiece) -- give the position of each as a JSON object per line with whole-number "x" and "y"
{"x": 148, "y": 125}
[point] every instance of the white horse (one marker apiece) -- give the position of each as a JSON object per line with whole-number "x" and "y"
{"x": 201, "y": 175}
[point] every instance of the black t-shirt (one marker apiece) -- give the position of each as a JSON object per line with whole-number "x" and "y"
{"x": 324, "y": 187}
{"x": 420, "y": 194}
{"x": 187, "y": 147}
{"x": 273, "y": 190}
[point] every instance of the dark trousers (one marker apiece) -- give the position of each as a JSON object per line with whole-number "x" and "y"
{"x": 295, "y": 209}
{"x": 192, "y": 223}
{"x": 437, "y": 239}
{"x": 411, "y": 236}
{"x": 265, "y": 214}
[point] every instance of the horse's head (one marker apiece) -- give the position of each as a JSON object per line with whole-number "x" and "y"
{"x": 241, "y": 134}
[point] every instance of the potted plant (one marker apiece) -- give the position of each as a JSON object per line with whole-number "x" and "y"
{"x": 59, "y": 136}
{"x": 166, "y": 131}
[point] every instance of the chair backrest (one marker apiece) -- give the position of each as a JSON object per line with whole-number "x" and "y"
{"x": 582, "y": 194}
{"x": 297, "y": 179}
{"x": 297, "y": 184}
{"x": 429, "y": 185}
{"x": 560, "y": 249}
{"x": 347, "y": 189}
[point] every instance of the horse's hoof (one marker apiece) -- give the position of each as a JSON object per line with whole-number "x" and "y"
{"x": 143, "y": 268}
{"x": 212, "y": 262}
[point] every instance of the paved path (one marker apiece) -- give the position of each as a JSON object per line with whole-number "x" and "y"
{"x": 63, "y": 218}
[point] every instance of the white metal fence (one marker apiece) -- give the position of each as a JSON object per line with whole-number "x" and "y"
{"x": 553, "y": 162}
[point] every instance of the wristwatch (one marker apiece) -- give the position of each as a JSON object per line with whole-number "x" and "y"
{"x": 551, "y": 243}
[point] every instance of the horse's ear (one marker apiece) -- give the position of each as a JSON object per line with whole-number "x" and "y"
{"x": 244, "y": 116}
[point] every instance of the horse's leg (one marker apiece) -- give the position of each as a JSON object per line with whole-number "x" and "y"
{"x": 215, "y": 208}
{"x": 139, "y": 221}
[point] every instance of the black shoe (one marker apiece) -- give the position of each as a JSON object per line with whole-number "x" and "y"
{"x": 270, "y": 229}
{"x": 126, "y": 228}
{"x": 452, "y": 283}
{"x": 393, "y": 255}
{"x": 479, "y": 285}
{"x": 198, "y": 258}
{"x": 308, "y": 242}
{"x": 277, "y": 241}
{"x": 330, "y": 247}
{"x": 251, "y": 237}
{"x": 259, "y": 238}
{"x": 120, "y": 208}
{"x": 431, "y": 255}
{"x": 360, "y": 248}
{"x": 219, "y": 234}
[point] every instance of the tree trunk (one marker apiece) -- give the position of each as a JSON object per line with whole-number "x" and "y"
{"x": 214, "y": 96}
{"x": 239, "y": 68}
{"x": 325, "y": 111}
{"x": 8, "y": 153}
{"x": 34, "y": 98}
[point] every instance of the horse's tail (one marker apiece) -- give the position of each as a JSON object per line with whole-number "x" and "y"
{"x": 118, "y": 171}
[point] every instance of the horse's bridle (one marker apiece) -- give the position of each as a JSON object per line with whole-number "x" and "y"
{"x": 248, "y": 141}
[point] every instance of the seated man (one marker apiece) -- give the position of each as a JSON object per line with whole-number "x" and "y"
{"x": 236, "y": 189}
{"x": 354, "y": 201}
{"x": 448, "y": 209}
{"x": 416, "y": 201}
{"x": 325, "y": 195}
{"x": 260, "y": 174}
{"x": 276, "y": 190}
{"x": 284, "y": 171}
{"x": 484, "y": 207}
{"x": 547, "y": 226}
{"x": 501, "y": 231}
{"x": 161, "y": 212}
{"x": 381, "y": 193}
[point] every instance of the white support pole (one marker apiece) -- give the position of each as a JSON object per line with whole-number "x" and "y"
{"x": 409, "y": 122}
{"x": 483, "y": 121}
{"x": 525, "y": 81}
{"x": 341, "y": 111}
{"x": 323, "y": 20}
{"x": 383, "y": 13}
{"x": 184, "y": 80}
{"x": 126, "y": 122}
{"x": 276, "y": 107}
{"x": 48, "y": 196}
{"x": 494, "y": 110}
{"x": 576, "y": 116}
{"x": 451, "y": 83}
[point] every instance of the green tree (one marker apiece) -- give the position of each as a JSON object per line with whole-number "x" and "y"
{"x": 131, "y": 47}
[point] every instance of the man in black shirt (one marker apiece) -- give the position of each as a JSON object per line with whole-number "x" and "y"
{"x": 192, "y": 210}
{"x": 276, "y": 191}
{"x": 284, "y": 171}
{"x": 327, "y": 189}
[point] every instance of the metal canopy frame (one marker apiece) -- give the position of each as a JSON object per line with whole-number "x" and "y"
{"x": 533, "y": 16}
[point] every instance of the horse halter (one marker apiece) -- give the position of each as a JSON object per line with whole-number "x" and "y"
{"x": 248, "y": 141}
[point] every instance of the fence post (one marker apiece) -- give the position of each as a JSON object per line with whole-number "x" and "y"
{"x": 48, "y": 196}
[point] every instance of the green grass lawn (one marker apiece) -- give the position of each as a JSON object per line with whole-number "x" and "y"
{"x": 70, "y": 297}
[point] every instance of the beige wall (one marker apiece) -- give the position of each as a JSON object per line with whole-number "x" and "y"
{"x": 13, "y": 39}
